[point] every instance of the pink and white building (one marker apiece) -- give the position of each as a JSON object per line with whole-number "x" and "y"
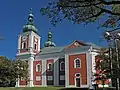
{"x": 70, "y": 66}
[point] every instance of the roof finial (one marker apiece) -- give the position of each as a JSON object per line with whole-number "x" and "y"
{"x": 30, "y": 11}
{"x": 30, "y": 17}
{"x": 50, "y": 35}
{"x": 49, "y": 42}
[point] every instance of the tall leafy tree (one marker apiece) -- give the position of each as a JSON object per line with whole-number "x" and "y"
{"x": 107, "y": 64}
{"x": 106, "y": 12}
{"x": 102, "y": 67}
{"x": 10, "y": 70}
{"x": 4, "y": 71}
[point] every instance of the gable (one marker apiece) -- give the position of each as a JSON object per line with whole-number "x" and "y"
{"x": 76, "y": 44}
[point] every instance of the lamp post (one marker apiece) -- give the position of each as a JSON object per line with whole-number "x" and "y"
{"x": 115, "y": 37}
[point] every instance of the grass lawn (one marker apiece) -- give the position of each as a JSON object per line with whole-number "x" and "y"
{"x": 28, "y": 88}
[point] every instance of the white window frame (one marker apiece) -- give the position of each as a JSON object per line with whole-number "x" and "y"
{"x": 50, "y": 78}
{"x": 38, "y": 78}
{"x": 75, "y": 63}
{"x": 37, "y": 68}
{"x": 61, "y": 66}
{"x": 77, "y": 76}
{"x": 62, "y": 77}
{"x": 48, "y": 66}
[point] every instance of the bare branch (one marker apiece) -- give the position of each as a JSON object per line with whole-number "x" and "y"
{"x": 107, "y": 11}
{"x": 87, "y": 5}
{"x": 96, "y": 15}
{"x": 109, "y": 3}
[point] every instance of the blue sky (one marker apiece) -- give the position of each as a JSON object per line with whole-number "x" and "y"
{"x": 14, "y": 13}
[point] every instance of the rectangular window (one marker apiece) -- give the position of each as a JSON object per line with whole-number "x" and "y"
{"x": 38, "y": 78}
{"x": 62, "y": 77}
{"x": 50, "y": 78}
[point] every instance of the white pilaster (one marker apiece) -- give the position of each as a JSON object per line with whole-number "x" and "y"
{"x": 89, "y": 66}
{"x": 56, "y": 72}
{"x": 31, "y": 42}
{"x": 43, "y": 72}
{"x": 30, "y": 68}
{"x": 39, "y": 43}
{"x": 93, "y": 61}
{"x": 66, "y": 71}
{"x": 93, "y": 54}
{"x": 19, "y": 43}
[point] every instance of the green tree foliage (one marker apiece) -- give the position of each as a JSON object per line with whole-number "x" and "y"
{"x": 10, "y": 70}
{"x": 106, "y": 12}
{"x": 108, "y": 64}
{"x": 104, "y": 62}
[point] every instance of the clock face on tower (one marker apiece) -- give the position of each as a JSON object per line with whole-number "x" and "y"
{"x": 24, "y": 38}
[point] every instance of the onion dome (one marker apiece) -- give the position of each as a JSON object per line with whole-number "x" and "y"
{"x": 30, "y": 25}
{"x": 49, "y": 42}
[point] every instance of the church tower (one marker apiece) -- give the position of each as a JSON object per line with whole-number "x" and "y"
{"x": 29, "y": 40}
{"x": 28, "y": 45}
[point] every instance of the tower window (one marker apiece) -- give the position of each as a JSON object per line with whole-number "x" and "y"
{"x": 35, "y": 46}
{"x": 23, "y": 45}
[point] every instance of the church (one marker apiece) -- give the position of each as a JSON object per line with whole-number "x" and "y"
{"x": 69, "y": 66}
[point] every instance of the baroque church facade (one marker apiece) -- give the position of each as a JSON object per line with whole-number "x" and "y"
{"x": 70, "y": 66}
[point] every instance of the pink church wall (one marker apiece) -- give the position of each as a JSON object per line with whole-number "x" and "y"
{"x": 37, "y": 73}
{"x": 82, "y": 70}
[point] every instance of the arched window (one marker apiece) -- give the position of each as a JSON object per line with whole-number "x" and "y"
{"x": 23, "y": 45}
{"x": 77, "y": 63}
{"x": 50, "y": 66}
{"x": 35, "y": 46}
{"x": 62, "y": 66}
{"x": 38, "y": 68}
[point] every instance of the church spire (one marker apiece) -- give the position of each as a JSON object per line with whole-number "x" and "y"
{"x": 49, "y": 42}
{"x": 30, "y": 24}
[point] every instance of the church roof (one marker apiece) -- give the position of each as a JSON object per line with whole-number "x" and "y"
{"x": 47, "y": 50}
{"x": 94, "y": 45}
{"x": 69, "y": 48}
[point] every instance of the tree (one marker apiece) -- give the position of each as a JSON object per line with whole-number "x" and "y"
{"x": 20, "y": 70}
{"x": 107, "y": 65}
{"x": 11, "y": 69}
{"x": 4, "y": 71}
{"x": 106, "y": 12}
{"x": 102, "y": 67}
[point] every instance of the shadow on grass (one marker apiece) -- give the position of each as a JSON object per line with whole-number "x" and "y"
{"x": 74, "y": 89}
{"x": 87, "y": 89}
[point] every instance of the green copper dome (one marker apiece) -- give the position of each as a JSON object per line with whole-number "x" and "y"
{"x": 30, "y": 25}
{"x": 49, "y": 42}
